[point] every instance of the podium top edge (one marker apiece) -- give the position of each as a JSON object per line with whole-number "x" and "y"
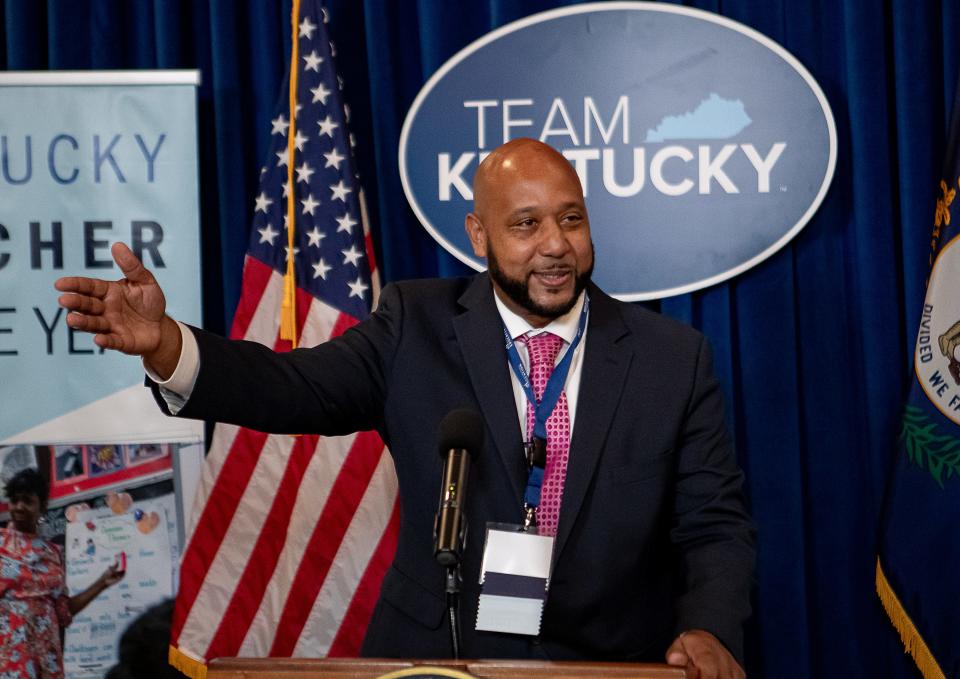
{"x": 140, "y": 77}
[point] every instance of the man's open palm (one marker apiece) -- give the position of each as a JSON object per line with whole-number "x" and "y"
{"x": 126, "y": 315}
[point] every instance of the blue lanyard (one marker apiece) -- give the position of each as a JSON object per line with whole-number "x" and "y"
{"x": 544, "y": 407}
{"x": 555, "y": 384}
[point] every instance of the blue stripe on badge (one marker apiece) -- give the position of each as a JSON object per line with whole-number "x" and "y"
{"x": 523, "y": 586}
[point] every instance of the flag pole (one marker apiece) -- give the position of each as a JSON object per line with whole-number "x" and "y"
{"x": 288, "y": 308}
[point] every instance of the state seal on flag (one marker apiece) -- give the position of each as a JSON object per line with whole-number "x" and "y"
{"x": 937, "y": 357}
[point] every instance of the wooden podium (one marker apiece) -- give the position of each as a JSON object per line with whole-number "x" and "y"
{"x": 365, "y": 668}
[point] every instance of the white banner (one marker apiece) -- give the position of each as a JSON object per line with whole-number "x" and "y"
{"x": 86, "y": 160}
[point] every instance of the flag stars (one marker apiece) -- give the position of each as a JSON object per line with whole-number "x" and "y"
{"x": 267, "y": 234}
{"x": 302, "y": 147}
{"x": 315, "y": 236}
{"x": 299, "y": 139}
{"x": 333, "y": 49}
{"x": 280, "y": 125}
{"x": 312, "y": 62}
{"x": 320, "y": 269}
{"x": 351, "y": 256}
{"x": 357, "y": 288}
{"x": 339, "y": 191}
{"x": 327, "y": 126}
{"x": 320, "y": 93}
{"x": 346, "y": 223}
{"x": 263, "y": 203}
{"x": 304, "y": 172}
{"x": 333, "y": 159}
{"x": 309, "y": 205}
{"x": 307, "y": 28}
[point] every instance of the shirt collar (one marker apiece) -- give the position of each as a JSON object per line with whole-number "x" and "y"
{"x": 564, "y": 326}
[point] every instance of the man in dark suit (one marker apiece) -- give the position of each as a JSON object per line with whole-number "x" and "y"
{"x": 654, "y": 548}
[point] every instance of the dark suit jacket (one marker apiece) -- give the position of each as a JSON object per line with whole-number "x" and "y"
{"x": 653, "y": 536}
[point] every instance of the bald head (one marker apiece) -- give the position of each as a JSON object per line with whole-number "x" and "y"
{"x": 530, "y": 223}
{"x": 518, "y": 160}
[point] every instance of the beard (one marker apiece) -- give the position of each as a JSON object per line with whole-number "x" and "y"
{"x": 518, "y": 290}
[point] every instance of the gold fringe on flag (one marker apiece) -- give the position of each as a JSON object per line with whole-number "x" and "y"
{"x": 185, "y": 664}
{"x": 288, "y": 307}
{"x": 912, "y": 641}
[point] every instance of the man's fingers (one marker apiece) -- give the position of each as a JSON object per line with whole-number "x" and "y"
{"x": 708, "y": 657}
{"x": 108, "y": 342}
{"x": 708, "y": 667}
{"x": 81, "y": 303}
{"x": 132, "y": 268}
{"x": 676, "y": 655}
{"x": 87, "y": 323}
{"x": 704, "y": 659}
{"x": 94, "y": 287}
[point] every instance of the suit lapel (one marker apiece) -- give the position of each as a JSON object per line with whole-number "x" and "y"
{"x": 605, "y": 367}
{"x": 480, "y": 336}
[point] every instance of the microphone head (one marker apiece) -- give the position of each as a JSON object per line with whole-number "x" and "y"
{"x": 462, "y": 428}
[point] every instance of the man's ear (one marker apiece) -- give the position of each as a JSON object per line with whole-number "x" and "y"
{"x": 477, "y": 235}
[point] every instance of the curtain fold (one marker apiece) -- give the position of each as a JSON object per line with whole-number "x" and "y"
{"x": 812, "y": 347}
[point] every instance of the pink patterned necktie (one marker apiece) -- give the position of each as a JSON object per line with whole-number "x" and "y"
{"x": 543, "y": 349}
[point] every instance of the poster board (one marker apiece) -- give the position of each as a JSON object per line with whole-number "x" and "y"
{"x": 144, "y": 531}
{"x": 113, "y": 157}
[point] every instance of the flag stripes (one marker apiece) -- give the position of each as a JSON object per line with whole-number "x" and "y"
{"x": 250, "y": 571}
{"x": 334, "y": 598}
{"x": 318, "y": 480}
{"x": 263, "y": 557}
{"x": 354, "y": 477}
{"x": 350, "y": 633}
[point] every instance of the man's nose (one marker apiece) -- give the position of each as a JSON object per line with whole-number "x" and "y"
{"x": 553, "y": 239}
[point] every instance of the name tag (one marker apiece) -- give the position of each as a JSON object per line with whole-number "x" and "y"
{"x": 514, "y": 579}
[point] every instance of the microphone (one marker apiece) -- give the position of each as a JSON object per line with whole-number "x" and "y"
{"x": 460, "y": 437}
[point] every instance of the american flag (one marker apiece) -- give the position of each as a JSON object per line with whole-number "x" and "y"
{"x": 291, "y": 536}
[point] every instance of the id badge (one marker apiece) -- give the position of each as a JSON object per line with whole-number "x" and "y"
{"x": 514, "y": 579}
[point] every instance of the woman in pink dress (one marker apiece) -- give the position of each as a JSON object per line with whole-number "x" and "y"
{"x": 34, "y": 603}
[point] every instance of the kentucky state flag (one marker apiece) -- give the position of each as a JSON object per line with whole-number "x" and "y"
{"x": 918, "y": 569}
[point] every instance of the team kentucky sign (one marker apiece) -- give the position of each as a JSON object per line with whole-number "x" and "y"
{"x": 703, "y": 146}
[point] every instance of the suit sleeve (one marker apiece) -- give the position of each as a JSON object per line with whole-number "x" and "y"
{"x": 711, "y": 530}
{"x": 335, "y": 388}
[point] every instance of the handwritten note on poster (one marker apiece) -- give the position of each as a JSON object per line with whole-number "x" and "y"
{"x": 94, "y": 540}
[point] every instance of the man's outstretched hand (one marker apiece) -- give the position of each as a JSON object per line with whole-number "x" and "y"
{"x": 703, "y": 656}
{"x": 127, "y": 315}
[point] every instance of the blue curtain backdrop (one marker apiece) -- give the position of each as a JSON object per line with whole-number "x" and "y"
{"x": 813, "y": 346}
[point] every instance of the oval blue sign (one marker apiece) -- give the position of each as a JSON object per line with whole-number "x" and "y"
{"x": 702, "y": 145}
